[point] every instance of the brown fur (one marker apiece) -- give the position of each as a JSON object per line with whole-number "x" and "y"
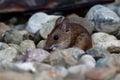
{"x": 70, "y": 35}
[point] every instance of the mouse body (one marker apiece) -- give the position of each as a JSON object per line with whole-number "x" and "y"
{"x": 67, "y": 34}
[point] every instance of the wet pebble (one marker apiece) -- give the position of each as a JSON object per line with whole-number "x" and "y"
{"x": 104, "y": 19}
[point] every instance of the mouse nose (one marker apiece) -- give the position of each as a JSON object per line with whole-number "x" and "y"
{"x": 47, "y": 48}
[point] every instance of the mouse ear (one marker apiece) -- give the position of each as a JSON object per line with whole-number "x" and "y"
{"x": 65, "y": 25}
{"x": 59, "y": 20}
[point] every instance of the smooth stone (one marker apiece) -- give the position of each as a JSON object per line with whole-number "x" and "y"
{"x": 37, "y": 20}
{"x": 102, "y": 37}
{"x": 112, "y": 46}
{"x": 62, "y": 70}
{"x": 26, "y": 35}
{"x": 66, "y": 57}
{"x": 98, "y": 52}
{"x": 102, "y": 63}
{"x": 101, "y": 73}
{"x": 36, "y": 55}
{"x": 41, "y": 44}
{"x": 27, "y": 44}
{"x": 3, "y": 45}
{"x": 10, "y": 75}
{"x": 117, "y": 77}
{"x": 47, "y": 28}
{"x": 104, "y": 19}
{"x": 20, "y": 27}
{"x": 3, "y": 28}
{"x": 13, "y": 36}
{"x": 82, "y": 21}
{"x": 8, "y": 55}
{"x": 49, "y": 75}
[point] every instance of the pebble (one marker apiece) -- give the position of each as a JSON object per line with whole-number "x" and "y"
{"x": 66, "y": 57}
{"x": 27, "y": 44}
{"x": 20, "y": 27}
{"x": 13, "y": 36}
{"x": 103, "y": 19}
{"x": 102, "y": 63}
{"x": 37, "y": 55}
{"x": 3, "y": 46}
{"x": 98, "y": 52}
{"x": 41, "y": 44}
{"x": 8, "y": 55}
{"x": 101, "y": 73}
{"x": 102, "y": 37}
{"x": 82, "y": 21}
{"x": 37, "y": 37}
{"x": 37, "y": 20}
{"x": 3, "y": 28}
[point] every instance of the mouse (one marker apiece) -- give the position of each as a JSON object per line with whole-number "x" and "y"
{"x": 68, "y": 35}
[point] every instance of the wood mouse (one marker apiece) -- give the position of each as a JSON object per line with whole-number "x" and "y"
{"x": 67, "y": 34}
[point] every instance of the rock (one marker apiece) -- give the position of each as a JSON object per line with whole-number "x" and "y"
{"x": 112, "y": 46}
{"x": 102, "y": 37}
{"x": 13, "y": 36}
{"x": 41, "y": 44}
{"x": 87, "y": 62}
{"x": 104, "y": 19}
{"x": 26, "y": 35}
{"x": 82, "y": 21}
{"x": 3, "y": 46}
{"x": 118, "y": 10}
{"x": 20, "y": 27}
{"x": 3, "y": 28}
{"x": 37, "y": 55}
{"x": 37, "y": 20}
{"x": 47, "y": 28}
{"x": 101, "y": 73}
{"x": 8, "y": 55}
{"x": 49, "y": 75}
{"x": 27, "y": 44}
{"x": 98, "y": 52}
{"x": 10, "y": 75}
{"x": 117, "y": 77}
{"x": 62, "y": 70}
{"x": 37, "y": 37}
{"x": 102, "y": 63}
{"x": 66, "y": 57}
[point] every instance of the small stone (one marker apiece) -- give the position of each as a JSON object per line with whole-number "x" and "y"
{"x": 37, "y": 37}
{"x": 102, "y": 37}
{"x": 102, "y": 63}
{"x": 25, "y": 34}
{"x": 37, "y": 55}
{"x": 27, "y": 44}
{"x": 8, "y": 55}
{"x": 13, "y": 36}
{"x": 117, "y": 77}
{"x": 3, "y": 28}
{"x": 47, "y": 28}
{"x": 98, "y": 52}
{"x": 112, "y": 46}
{"x": 67, "y": 57}
{"x": 20, "y": 27}
{"x": 41, "y": 44}
{"x": 3, "y": 46}
{"x": 101, "y": 73}
{"x": 103, "y": 19}
{"x": 37, "y": 20}
{"x": 82, "y": 21}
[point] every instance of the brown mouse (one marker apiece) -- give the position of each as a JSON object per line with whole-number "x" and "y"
{"x": 67, "y": 34}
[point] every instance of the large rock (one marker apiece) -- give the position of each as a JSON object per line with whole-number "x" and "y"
{"x": 104, "y": 19}
{"x": 37, "y": 21}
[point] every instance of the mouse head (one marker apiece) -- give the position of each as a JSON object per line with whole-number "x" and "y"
{"x": 60, "y": 37}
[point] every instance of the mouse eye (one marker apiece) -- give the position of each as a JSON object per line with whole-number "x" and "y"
{"x": 56, "y": 37}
